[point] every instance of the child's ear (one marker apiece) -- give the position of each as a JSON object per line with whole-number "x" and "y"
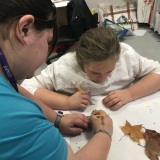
{"x": 23, "y": 27}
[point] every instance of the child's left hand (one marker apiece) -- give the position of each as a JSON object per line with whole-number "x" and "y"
{"x": 116, "y": 99}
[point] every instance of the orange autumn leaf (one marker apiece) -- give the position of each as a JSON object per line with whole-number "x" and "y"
{"x": 134, "y": 132}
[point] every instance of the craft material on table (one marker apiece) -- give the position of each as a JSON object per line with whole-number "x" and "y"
{"x": 144, "y": 111}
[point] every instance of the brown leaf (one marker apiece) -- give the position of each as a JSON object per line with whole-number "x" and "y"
{"x": 134, "y": 132}
{"x": 152, "y": 134}
{"x": 152, "y": 148}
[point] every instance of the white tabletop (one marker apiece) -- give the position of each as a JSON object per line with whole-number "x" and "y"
{"x": 145, "y": 111}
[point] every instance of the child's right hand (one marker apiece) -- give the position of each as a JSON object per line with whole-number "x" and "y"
{"x": 102, "y": 123}
{"x": 80, "y": 99}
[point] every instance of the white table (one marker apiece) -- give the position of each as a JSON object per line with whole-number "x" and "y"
{"x": 145, "y": 111}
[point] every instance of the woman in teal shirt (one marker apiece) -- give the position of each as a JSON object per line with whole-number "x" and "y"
{"x": 26, "y": 29}
{"x": 25, "y": 132}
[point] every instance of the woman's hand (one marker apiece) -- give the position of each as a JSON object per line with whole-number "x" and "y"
{"x": 80, "y": 99}
{"x": 116, "y": 99}
{"x": 73, "y": 123}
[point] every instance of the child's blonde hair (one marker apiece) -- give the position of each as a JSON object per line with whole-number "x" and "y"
{"x": 97, "y": 44}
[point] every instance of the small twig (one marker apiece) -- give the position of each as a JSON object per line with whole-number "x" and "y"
{"x": 121, "y": 137}
{"x": 141, "y": 145}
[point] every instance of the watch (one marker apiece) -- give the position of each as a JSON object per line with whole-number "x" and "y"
{"x": 58, "y": 119}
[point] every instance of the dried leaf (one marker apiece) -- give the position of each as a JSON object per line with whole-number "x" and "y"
{"x": 152, "y": 138}
{"x": 134, "y": 132}
{"x": 152, "y": 148}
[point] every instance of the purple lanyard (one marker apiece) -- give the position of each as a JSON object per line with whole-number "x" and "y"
{"x": 7, "y": 71}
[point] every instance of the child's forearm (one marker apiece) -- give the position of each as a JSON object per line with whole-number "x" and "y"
{"x": 145, "y": 86}
{"x": 52, "y": 99}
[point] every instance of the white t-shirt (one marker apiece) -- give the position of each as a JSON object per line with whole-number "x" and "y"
{"x": 65, "y": 73}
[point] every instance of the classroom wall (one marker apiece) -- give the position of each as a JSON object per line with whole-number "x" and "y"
{"x": 94, "y": 3}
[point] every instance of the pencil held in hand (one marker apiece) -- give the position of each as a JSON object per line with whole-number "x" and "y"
{"x": 79, "y": 88}
{"x": 100, "y": 115}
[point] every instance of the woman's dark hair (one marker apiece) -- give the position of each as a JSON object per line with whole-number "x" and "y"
{"x": 43, "y": 11}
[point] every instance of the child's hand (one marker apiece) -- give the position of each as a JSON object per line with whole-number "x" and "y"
{"x": 116, "y": 99}
{"x": 102, "y": 123}
{"x": 80, "y": 99}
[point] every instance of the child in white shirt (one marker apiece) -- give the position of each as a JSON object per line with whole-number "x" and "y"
{"x": 101, "y": 65}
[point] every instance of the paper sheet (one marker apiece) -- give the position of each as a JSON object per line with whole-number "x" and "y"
{"x": 144, "y": 111}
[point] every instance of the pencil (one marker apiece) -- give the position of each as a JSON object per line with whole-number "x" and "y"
{"x": 79, "y": 88}
{"x": 100, "y": 115}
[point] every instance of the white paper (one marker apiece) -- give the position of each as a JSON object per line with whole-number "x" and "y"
{"x": 143, "y": 111}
